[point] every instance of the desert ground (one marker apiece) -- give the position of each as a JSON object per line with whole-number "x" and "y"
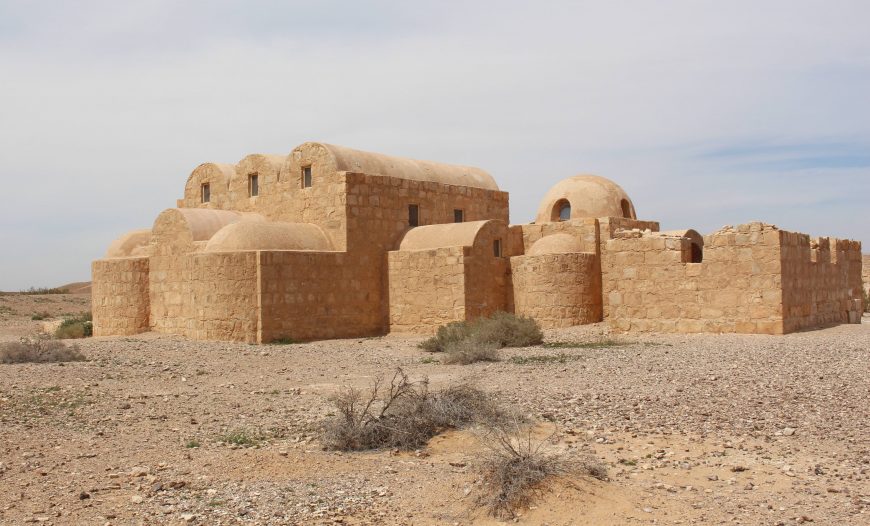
{"x": 693, "y": 429}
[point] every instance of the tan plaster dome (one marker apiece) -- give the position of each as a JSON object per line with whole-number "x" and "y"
{"x": 556, "y": 244}
{"x": 253, "y": 235}
{"x": 584, "y": 196}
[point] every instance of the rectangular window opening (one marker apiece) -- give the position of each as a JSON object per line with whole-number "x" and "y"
{"x": 413, "y": 215}
{"x": 496, "y": 248}
{"x": 458, "y": 215}
{"x": 253, "y": 185}
{"x": 205, "y": 192}
{"x": 306, "y": 176}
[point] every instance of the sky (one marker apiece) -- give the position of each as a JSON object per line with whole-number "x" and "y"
{"x": 708, "y": 113}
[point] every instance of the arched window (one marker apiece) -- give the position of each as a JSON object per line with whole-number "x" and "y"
{"x": 626, "y": 208}
{"x": 561, "y": 210}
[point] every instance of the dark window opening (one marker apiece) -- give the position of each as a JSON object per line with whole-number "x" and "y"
{"x": 563, "y": 210}
{"x": 626, "y": 208}
{"x": 697, "y": 253}
{"x": 205, "y": 192}
{"x": 413, "y": 215}
{"x": 458, "y": 216}
{"x": 496, "y": 248}
{"x": 253, "y": 185}
{"x": 306, "y": 177}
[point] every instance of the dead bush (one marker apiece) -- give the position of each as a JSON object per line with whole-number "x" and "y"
{"x": 403, "y": 415}
{"x": 502, "y": 329}
{"x": 465, "y": 352}
{"x": 39, "y": 349}
{"x": 515, "y": 470}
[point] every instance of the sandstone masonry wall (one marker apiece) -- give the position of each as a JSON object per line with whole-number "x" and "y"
{"x": 650, "y": 286}
{"x": 585, "y": 230}
{"x": 315, "y": 295}
{"x": 120, "y": 304}
{"x": 821, "y": 281}
{"x": 558, "y": 290}
{"x": 866, "y": 273}
{"x": 427, "y": 288}
{"x": 223, "y": 297}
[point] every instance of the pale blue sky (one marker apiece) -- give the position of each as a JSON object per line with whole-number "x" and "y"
{"x": 707, "y": 112}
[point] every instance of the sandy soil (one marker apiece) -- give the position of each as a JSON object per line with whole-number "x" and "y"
{"x": 710, "y": 429}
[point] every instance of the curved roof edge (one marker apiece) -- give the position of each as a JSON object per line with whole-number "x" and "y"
{"x": 443, "y": 235}
{"x": 350, "y": 160}
{"x": 269, "y": 235}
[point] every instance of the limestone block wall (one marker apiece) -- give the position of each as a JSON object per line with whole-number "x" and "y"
{"x": 316, "y": 295}
{"x": 866, "y": 273}
{"x": 821, "y": 281}
{"x": 558, "y": 290}
{"x": 378, "y": 218}
{"x": 585, "y": 230}
{"x": 649, "y": 284}
{"x": 120, "y": 303}
{"x": 427, "y": 288}
{"x": 223, "y": 297}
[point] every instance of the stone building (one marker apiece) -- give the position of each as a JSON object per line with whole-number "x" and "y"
{"x": 329, "y": 242}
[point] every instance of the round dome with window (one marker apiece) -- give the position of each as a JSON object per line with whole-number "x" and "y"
{"x": 584, "y": 196}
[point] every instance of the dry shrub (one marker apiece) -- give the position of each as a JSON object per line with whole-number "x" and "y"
{"x": 502, "y": 329}
{"x": 403, "y": 415}
{"x": 39, "y": 349}
{"x": 515, "y": 470}
{"x": 465, "y": 352}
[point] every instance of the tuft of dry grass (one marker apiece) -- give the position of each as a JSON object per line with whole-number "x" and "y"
{"x": 404, "y": 414}
{"x": 39, "y": 349}
{"x": 465, "y": 352}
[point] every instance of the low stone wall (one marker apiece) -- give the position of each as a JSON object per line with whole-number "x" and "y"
{"x": 120, "y": 302}
{"x": 427, "y": 288}
{"x": 821, "y": 281}
{"x": 650, "y": 285}
{"x": 558, "y": 290}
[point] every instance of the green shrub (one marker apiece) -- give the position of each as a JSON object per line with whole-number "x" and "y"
{"x": 502, "y": 329}
{"x": 38, "y": 316}
{"x": 76, "y": 327}
{"x": 453, "y": 332}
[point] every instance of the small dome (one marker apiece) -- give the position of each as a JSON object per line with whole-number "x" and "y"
{"x": 130, "y": 244}
{"x": 584, "y": 196}
{"x": 556, "y": 244}
{"x": 254, "y": 235}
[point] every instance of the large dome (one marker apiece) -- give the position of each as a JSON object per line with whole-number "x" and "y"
{"x": 584, "y": 196}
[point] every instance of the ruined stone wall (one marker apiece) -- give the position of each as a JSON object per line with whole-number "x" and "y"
{"x": 558, "y": 290}
{"x": 821, "y": 281}
{"x": 120, "y": 304}
{"x": 223, "y": 297}
{"x": 315, "y": 295}
{"x": 649, "y": 284}
{"x": 427, "y": 288}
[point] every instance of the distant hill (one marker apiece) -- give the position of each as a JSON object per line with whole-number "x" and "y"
{"x": 79, "y": 287}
